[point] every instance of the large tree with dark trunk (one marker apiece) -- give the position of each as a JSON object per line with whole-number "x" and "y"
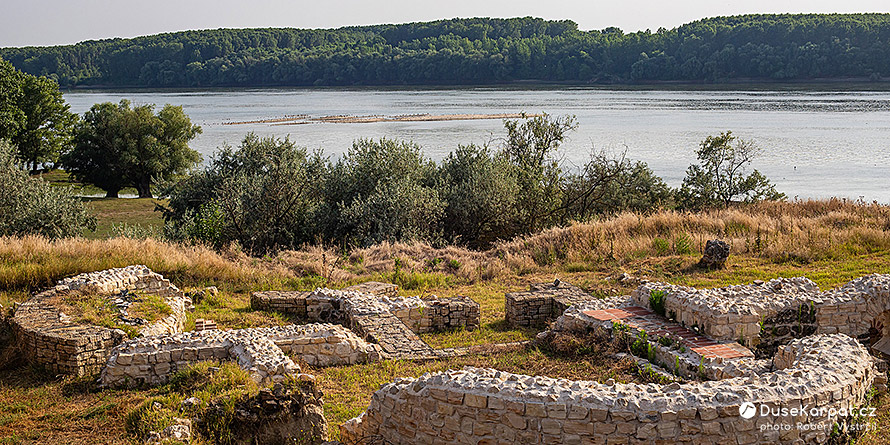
{"x": 117, "y": 145}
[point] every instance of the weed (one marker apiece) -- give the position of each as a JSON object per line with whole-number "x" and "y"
{"x": 656, "y": 301}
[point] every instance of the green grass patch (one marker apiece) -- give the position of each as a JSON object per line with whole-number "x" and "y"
{"x": 135, "y": 218}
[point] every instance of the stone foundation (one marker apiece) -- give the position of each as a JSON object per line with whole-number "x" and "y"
{"x": 542, "y": 303}
{"x": 825, "y": 372}
{"x": 261, "y": 351}
{"x": 48, "y": 338}
{"x": 765, "y": 315}
{"x": 326, "y": 305}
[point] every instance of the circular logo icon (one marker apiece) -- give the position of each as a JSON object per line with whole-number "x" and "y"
{"x": 747, "y": 410}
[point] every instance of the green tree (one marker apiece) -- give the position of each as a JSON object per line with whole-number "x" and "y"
{"x": 97, "y": 156}
{"x": 719, "y": 177}
{"x": 608, "y": 185}
{"x": 33, "y": 116}
{"x": 530, "y": 147}
{"x": 135, "y": 145}
{"x": 11, "y": 116}
{"x": 31, "y": 206}
{"x": 382, "y": 191}
{"x": 481, "y": 191}
{"x": 47, "y": 126}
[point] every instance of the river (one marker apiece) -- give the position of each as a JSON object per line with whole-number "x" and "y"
{"x": 816, "y": 142}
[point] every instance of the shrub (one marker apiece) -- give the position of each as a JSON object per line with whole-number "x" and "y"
{"x": 480, "y": 190}
{"x": 264, "y": 196}
{"x": 608, "y": 185}
{"x": 382, "y": 191}
{"x": 31, "y": 206}
{"x": 656, "y": 302}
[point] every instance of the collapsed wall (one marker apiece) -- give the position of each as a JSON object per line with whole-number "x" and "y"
{"x": 824, "y": 373}
{"x": 51, "y": 339}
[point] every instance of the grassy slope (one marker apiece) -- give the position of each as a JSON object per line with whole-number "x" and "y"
{"x": 829, "y": 243}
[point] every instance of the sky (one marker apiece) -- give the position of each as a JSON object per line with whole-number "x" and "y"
{"x": 55, "y": 22}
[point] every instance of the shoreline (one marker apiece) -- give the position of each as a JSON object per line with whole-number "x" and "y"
{"x": 302, "y": 119}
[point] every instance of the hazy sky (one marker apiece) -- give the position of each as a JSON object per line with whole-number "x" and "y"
{"x": 51, "y": 22}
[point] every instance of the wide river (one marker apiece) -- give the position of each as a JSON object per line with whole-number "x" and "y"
{"x": 815, "y": 143}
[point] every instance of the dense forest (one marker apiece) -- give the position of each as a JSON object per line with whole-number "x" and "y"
{"x": 784, "y": 47}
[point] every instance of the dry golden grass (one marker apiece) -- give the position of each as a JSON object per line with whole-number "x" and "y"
{"x": 34, "y": 262}
{"x": 800, "y": 232}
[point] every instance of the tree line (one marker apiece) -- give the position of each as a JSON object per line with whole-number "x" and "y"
{"x": 268, "y": 194}
{"x": 478, "y": 51}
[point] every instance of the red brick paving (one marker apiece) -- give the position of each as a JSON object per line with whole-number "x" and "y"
{"x": 657, "y": 326}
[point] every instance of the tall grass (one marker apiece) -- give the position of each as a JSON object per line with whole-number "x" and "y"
{"x": 33, "y": 262}
{"x": 798, "y": 232}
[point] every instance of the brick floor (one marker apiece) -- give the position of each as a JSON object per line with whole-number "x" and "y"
{"x": 657, "y": 326}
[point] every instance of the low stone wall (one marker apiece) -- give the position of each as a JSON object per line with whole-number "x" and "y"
{"x": 327, "y": 305}
{"x": 452, "y": 313}
{"x": 686, "y": 354}
{"x": 733, "y": 312}
{"x": 764, "y": 315}
{"x": 821, "y": 373}
{"x": 286, "y": 302}
{"x": 542, "y": 303}
{"x": 294, "y": 302}
{"x": 261, "y": 351}
{"x": 49, "y": 338}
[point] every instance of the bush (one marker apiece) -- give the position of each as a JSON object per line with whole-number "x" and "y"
{"x": 382, "y": 191}
{"x": 609, "y": 185}
{"x": 480, "y": 188}
{"x": 264, "y": 196}
{"x": 32, "y": 206}
{"x": 271, "y": 195}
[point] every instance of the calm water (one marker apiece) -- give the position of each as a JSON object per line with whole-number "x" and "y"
{"x": 815, "y": 143}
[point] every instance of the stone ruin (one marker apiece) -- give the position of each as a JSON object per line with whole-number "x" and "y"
{"x": 783, "y": 345}
{"x": 51, "y": 339}
{"x": 260, "y": 351}
{"x": 364, "y": 323}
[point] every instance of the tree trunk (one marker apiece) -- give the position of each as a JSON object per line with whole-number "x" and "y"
{"x": 144, "y": 189}
{"x": 111, "y": 193}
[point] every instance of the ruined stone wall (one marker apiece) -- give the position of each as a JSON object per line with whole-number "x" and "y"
{"x": 326, "y": 305}
{"x": 765, "y": 315}
{"x": 677, "y": 357}
{"x": 542, "y": 303}
{"x": 50, "y": 339}
{"x": 853, "y": 308}
{"x": 260, "y": 351}
{"x": 729, "y": 313}
{"x": 786, "y": 325}
{"x": 61, "y": 347}
{"x": 292, "y": 302}
{"x": 489, "y": 406}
